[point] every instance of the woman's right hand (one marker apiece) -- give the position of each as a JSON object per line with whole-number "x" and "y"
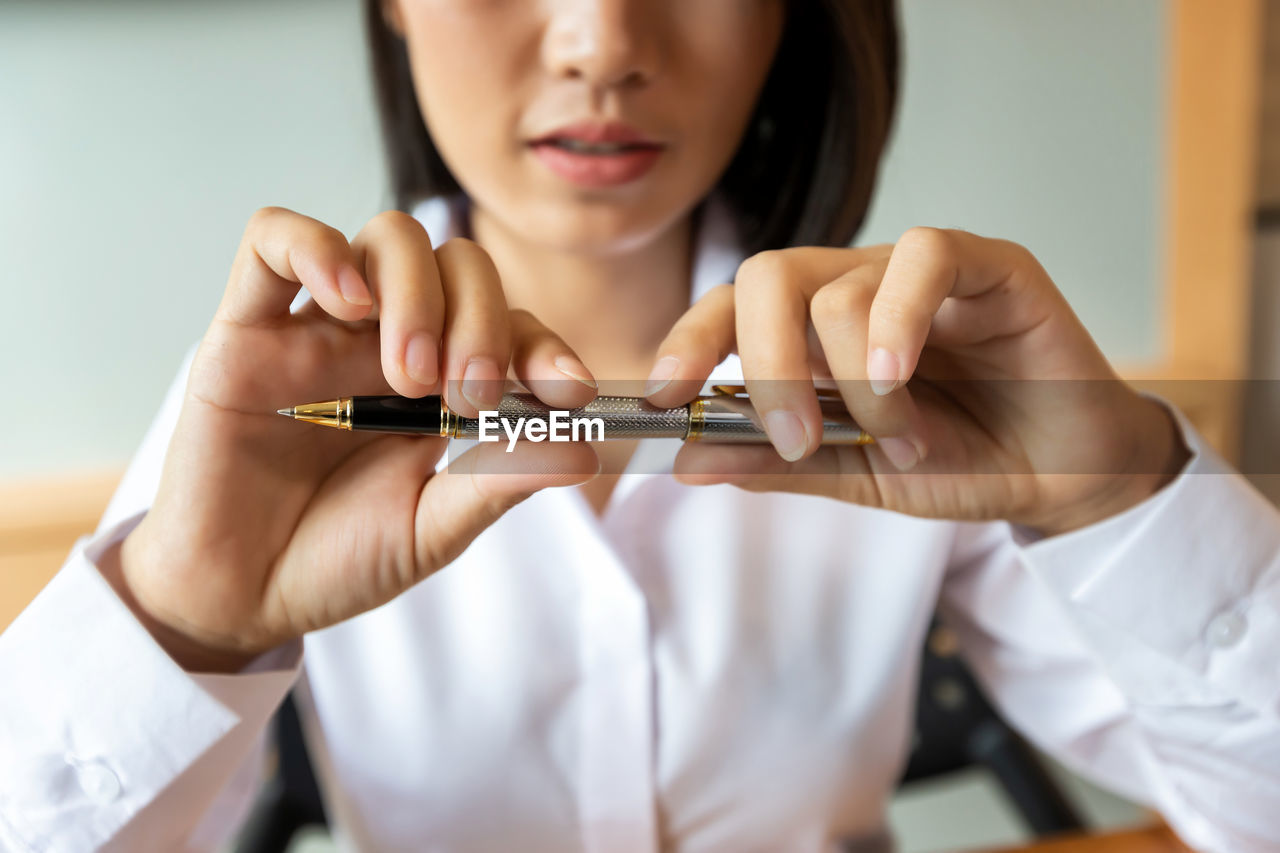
{"x": 265, "y": 528}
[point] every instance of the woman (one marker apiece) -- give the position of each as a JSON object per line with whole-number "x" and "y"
{"x": 649, "y": 661}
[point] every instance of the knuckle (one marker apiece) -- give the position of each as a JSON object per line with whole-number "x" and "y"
{"x": 287, "y": 231}
{"x": 840, "y": 304}
{"x": 771, "y": 268}
{"x": 331, "y": 238}
{"x": 462, "y": 249}
{"x": 263, "y": 221}
{"x": 1024, "y": 257}
{"x": 718, "y": 299}
{"x": 396, "y": 223}
{"x": 926, "y": 242}
{"x": 460, "y": 245}
{"x": 720, "y": 293}
{"x": 466, "y": 257}
{"x": 264, "y": 216}
{"x": 523, "y": 321}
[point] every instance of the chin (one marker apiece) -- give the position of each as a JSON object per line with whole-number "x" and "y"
{"x": 597, "y": 226}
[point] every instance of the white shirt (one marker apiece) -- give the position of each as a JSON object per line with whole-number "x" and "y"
{"x": 702, "y": 669}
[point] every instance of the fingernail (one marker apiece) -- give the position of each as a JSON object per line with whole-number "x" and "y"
{"x": 882, "y": 370}
{"x": 480, "y": 384}
{"x": 899, "y": 451}
{"x": 354, "y": 290}
{"x": 574, "y": 369}
{"x": 787, "y": 434}
{"x": 421, "y": 360}
{"x": 662, "y": 374}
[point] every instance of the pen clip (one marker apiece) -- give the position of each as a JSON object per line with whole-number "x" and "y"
{"x": 741, "y": 391}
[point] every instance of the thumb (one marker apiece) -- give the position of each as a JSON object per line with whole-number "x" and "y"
{"x": 843, "y": 473}
{"x": 479, "y": 486}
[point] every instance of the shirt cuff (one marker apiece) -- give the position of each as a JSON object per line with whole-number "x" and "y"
{"x": 1190, "y": 576}
{"x": 96, "y": 719}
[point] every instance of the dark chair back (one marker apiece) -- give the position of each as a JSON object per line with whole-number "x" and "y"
{"x": 956, "y": 728}
{"x": 291, "y": 799}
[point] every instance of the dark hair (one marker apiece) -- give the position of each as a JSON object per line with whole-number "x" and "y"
{"x": 804, "y": 171}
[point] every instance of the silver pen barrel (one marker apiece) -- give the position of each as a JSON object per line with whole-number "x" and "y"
{"x": 719, "y": 418}
{"x": 729, "y": 419}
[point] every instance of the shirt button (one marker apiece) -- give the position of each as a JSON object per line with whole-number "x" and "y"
{"x": 1226, "y": 629}
{"x": 98, "y": 781}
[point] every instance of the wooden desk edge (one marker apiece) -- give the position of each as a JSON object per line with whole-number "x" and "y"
{"x": 1157, "y": 839}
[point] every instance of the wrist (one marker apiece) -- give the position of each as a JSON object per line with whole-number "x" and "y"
{"x": 185, "y": 651}
{"x": 1155, "y": 455}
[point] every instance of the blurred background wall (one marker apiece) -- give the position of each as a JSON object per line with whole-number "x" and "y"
{"x": 1260, "y": 446}
{"x": 140, "y": 135}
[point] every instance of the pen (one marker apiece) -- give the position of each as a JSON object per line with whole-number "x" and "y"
{"x": 725, "y": 416}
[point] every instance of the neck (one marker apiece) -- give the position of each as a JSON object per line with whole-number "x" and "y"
{"x": 613, "y": 309}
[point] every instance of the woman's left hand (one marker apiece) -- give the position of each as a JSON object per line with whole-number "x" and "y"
{"x": 986, "y": 396}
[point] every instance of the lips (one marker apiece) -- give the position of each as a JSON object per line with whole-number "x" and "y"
{"x": 594, "y": 154}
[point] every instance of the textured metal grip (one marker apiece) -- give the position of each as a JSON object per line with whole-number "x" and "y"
{"x": 624, "y": 417}
{"x": 727, "y": 419}
{"x": 745, "y": 432}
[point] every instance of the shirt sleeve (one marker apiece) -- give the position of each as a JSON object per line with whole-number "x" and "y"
{"x": 1144, "y": 651}
{"x": 105, "y": 742}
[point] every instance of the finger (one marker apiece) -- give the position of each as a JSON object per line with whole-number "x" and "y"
{"x": 282, "y": 250}
{"x": 927, "y": 266}
{"x": 998, "y": 313}
{"x": 477, "y": 329}
{"x": 844, "y": 473}
{"x": 840, "y": 313}
{"x": 546, "y": 365}
{"x": 772, "y": 314}
{"x": 699, "y": 341}
{"x": 401, "y": 269}
{"x": 482, "y": 484}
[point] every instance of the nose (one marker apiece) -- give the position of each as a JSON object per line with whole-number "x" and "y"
{"x": 605, "y": 43}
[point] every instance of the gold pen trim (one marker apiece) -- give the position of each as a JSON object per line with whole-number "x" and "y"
{"x": 697, "y": 420}
{"x": 330, "y": 413}
{"x": 448, "y": 424}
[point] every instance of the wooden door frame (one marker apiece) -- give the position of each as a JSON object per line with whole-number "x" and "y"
{"x": 1214, "y": 78}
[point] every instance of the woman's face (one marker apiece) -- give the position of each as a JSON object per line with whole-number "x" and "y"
{"x": 587, "y": 125}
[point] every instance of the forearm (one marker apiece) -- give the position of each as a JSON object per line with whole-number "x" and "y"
{"x": 99, "y": 726}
